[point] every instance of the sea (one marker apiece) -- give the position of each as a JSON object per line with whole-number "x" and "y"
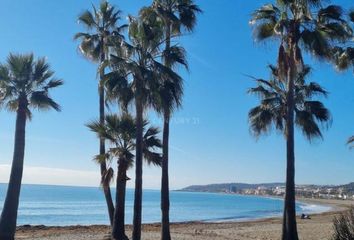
{"x": 63, "y": 206}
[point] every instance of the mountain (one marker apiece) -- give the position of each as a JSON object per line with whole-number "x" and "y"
{"x": 242, "y": 187}
{"x": 225, "y": 187}
{"x": 349, "y": 188}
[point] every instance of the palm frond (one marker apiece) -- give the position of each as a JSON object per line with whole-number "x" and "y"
{"x": 53, "y": 83}
{"x": 318, "y": 110}
{"x": 101, "y": 130}
{"x": 187, "y": 11}
{"x": 351, "y": 15}
{"x": 342, "y": 58}
{"x": 264, "y": 31}
{"x": 175, "y": 55}
{"x": 152, "y": 158}
{"x": 42, "y": 101}
{"x": 350, "y": 142}
{"x": 260, "y": 119}
{"x": 12, "y": 105}
{"x": 103, "y": 32}
{"x": 107, "y": 177}
{"x": 268, "y": 12}
{"x": 42, "y": 71}
{"x": 271, "y": 112}
{"x": 150, "y": 138}
{"x": 20, "y": 65}
{"x": 336, "y": 31}
{"x": 333, "y": 12}
{"x": 305, "y": 121}
{"x": 151, "y": 143}
{"x": 25, "y": 77}
{"x": 87, "y": 19}
{"x": 313, "y": 89}
{"x": 101, "y": 158}
{"x": 320, "y": 27}
{"x": 315, "y": 42}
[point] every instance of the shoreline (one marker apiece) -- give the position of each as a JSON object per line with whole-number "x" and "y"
{"x": 318, "y": 227}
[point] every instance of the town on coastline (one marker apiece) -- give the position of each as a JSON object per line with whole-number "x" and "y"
{"x": 341, "y": 192}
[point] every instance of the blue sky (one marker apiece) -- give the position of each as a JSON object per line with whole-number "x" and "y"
{"x": 210, "y": 139}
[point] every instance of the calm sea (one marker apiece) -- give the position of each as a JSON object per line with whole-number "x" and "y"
{"x": 60, "y": 206}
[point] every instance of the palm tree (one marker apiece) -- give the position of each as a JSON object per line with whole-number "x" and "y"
{"x": 25, "y": 84}
{"x": 175, "y": 15}
{"x": 298, "y": 25}
{"x": 95, "y": 45}
{"x": 133, "y": 76}
{"x": 136, "y": 76}
{"x": 272, "y": 111}
{"x": 120, "y": 131}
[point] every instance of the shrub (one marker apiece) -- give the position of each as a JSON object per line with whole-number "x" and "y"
{"x": 343, "y": 226}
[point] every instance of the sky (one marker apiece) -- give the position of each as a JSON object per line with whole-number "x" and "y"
{"x": 210, "y": 141}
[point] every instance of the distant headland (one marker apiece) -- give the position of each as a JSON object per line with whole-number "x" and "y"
{"x": 344, "y": 192}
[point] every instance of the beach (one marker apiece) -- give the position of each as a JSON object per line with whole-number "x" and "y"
{"x": 318, "y": 227}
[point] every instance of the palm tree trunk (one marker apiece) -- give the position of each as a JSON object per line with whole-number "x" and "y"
{"x": 138, "y": 169}
{"x": 289, "y": 218}
{"x": 165, "y": 196}
{"x": 103, "y": 165}
{"x": 9, "y": 213}
{"x": 118, "y": 231}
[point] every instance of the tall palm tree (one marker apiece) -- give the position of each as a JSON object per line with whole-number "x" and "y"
{"x": 273, "y": 111}
{"x": 176, "y": 16}
{"x": 103, "y": 33}
{"x": 298, "y": 25}
{"x": 134, "y": 76}
{"x": 144, "y": 38}
{"x": 25, "y": 84}
{"x": 120, "y": 131}
{"x": 137, "y": 75}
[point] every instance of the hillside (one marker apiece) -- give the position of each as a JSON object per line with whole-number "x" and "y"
{"x": 242, "y": 187}
{"x": 232, "y": 187}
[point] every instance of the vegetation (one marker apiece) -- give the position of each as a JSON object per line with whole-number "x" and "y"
{"x": 308, "y": 112}
{"x": 137, "y": 66}
{"x": 138, "y": 76}
{"x": 343, "y": 53}
{"x": 272, "y": 112}
{"x": 142, "y": 73}
{"x": 139, "y": 71}
{"x": 103, "y": 33}
{"x": 120, "y": 131}
{"x": 25, "y": 83}
{"x": 343, "y": 58}
{"x": 298, "y": 25}
{"x": 343, "y": 226}
{"x": 176, "y": 16}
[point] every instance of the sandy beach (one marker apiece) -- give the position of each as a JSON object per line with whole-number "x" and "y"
{"x": 318, "y": 227}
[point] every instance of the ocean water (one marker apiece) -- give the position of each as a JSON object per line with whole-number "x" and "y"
{"x": 61, "y": 206}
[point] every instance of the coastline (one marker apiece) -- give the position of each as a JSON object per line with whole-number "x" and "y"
{"x": 318, "y": 227}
